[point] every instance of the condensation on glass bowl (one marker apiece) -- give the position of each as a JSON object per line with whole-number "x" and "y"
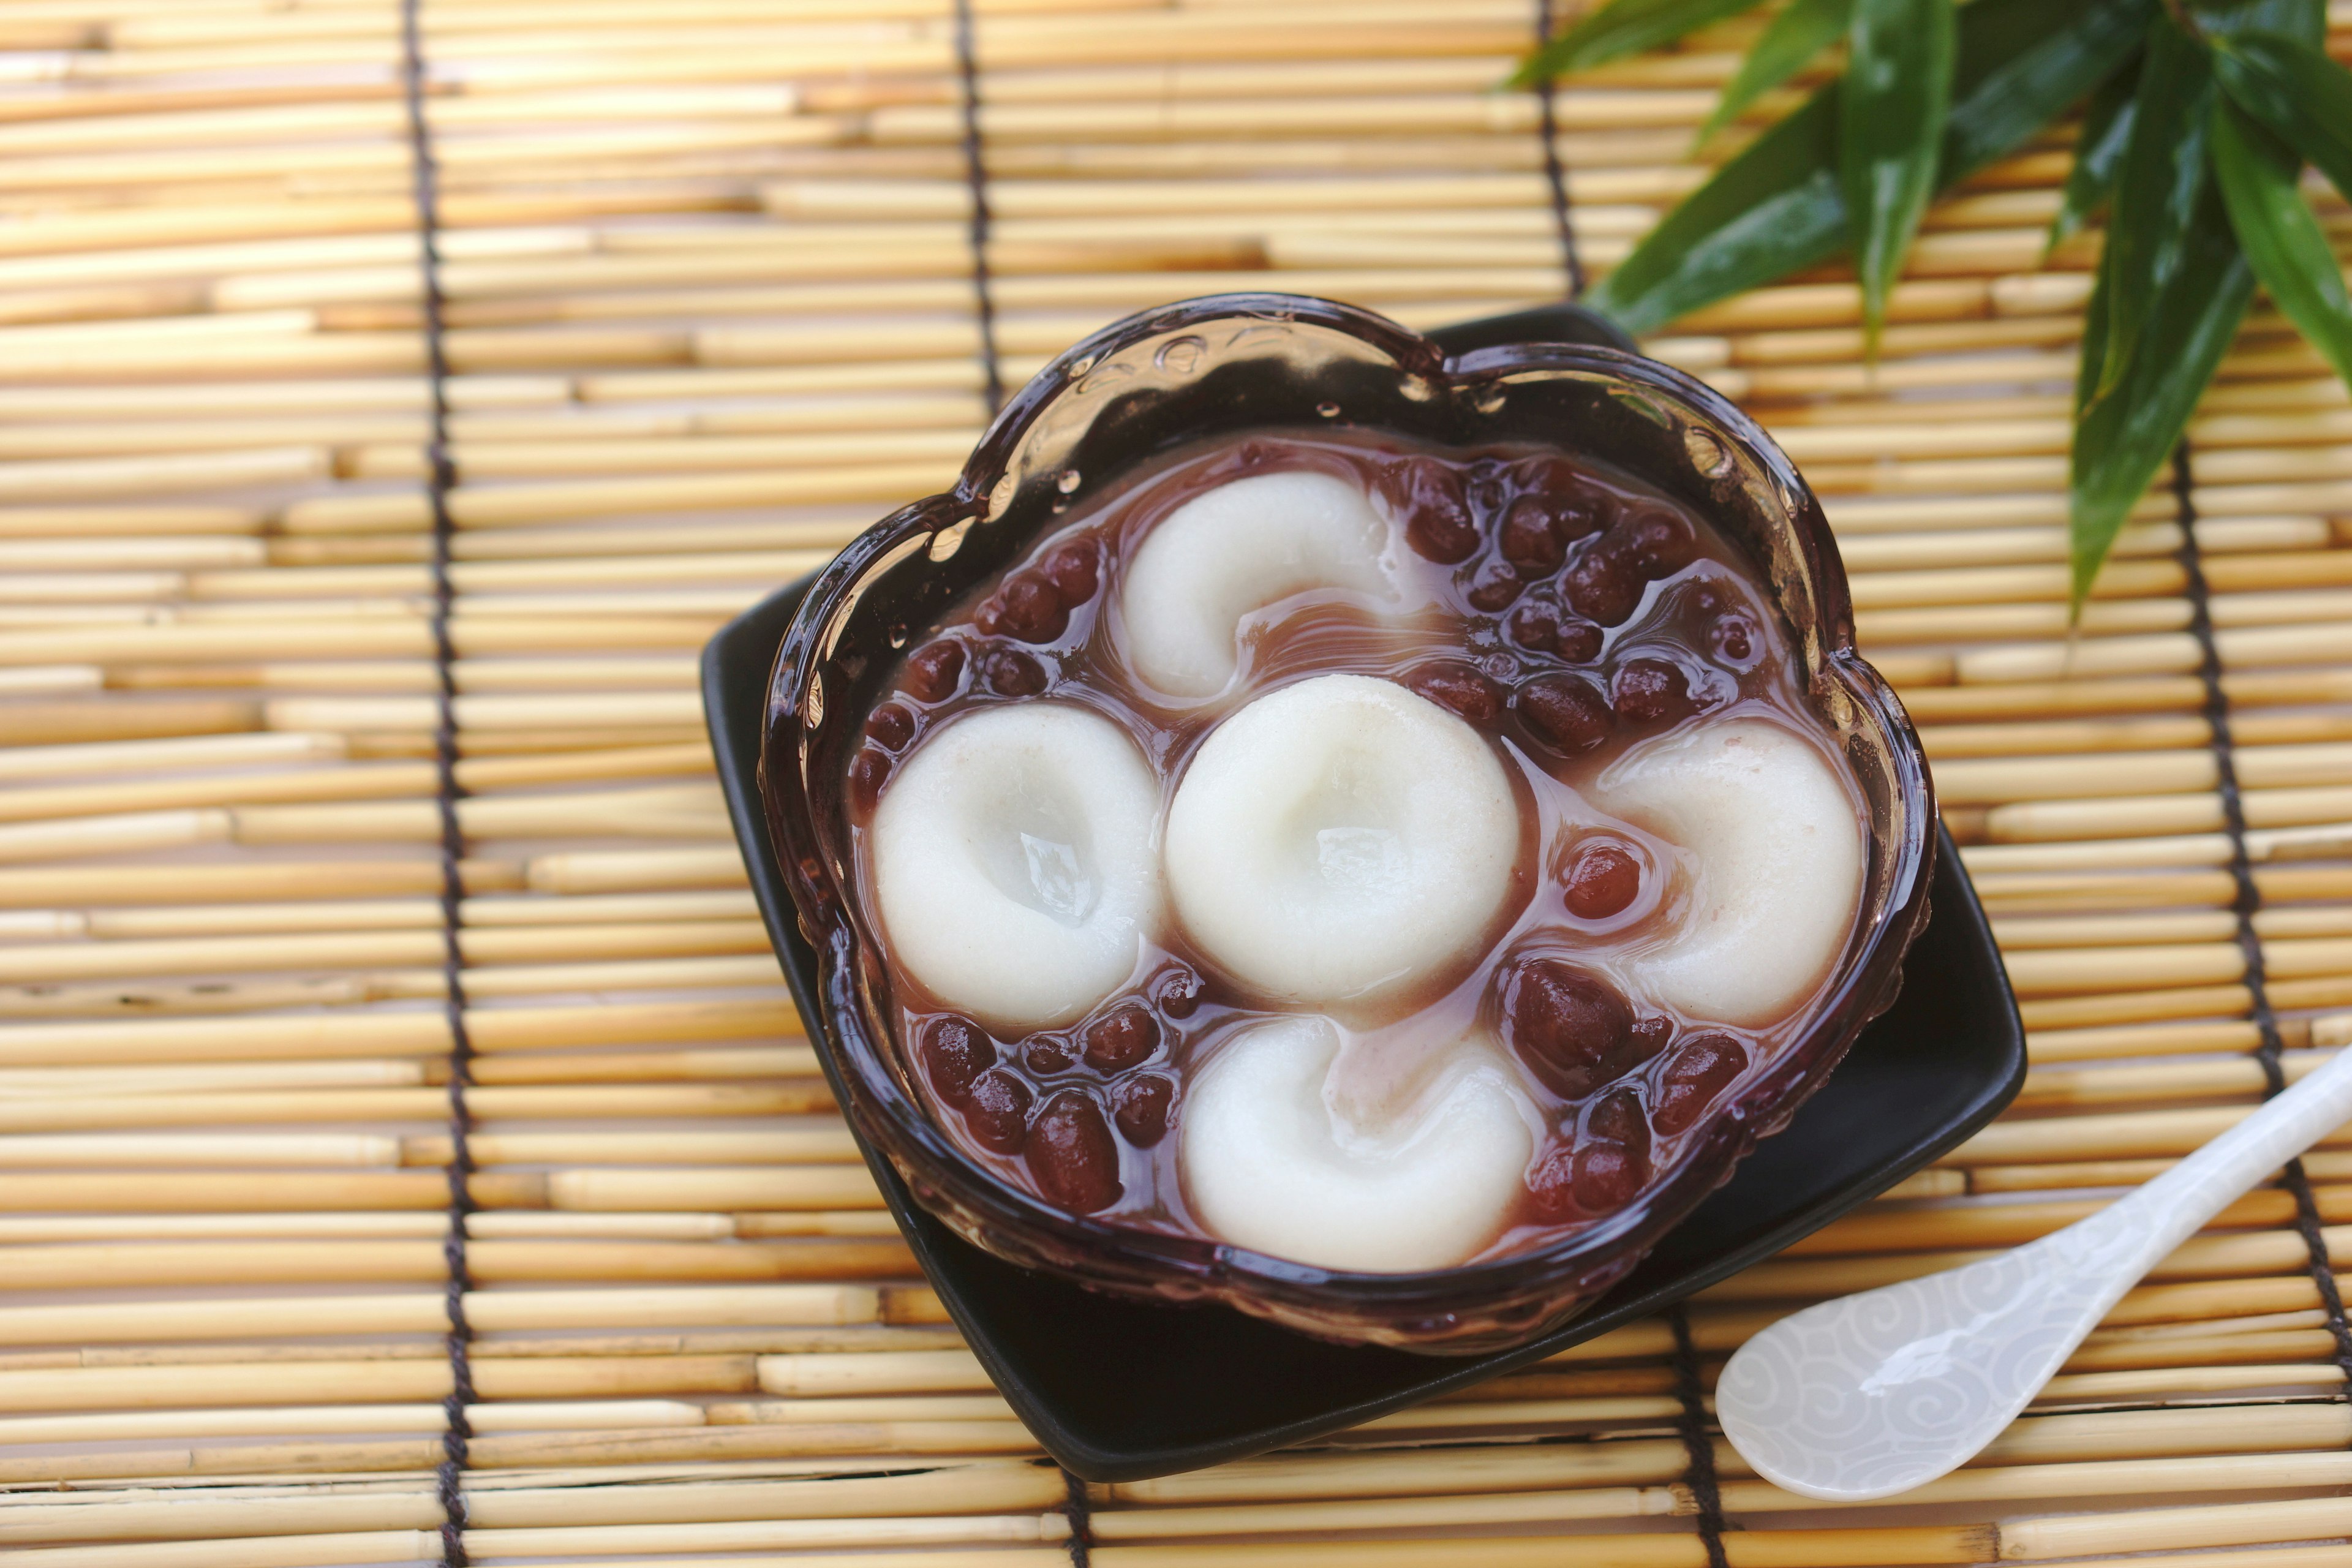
{"x": 1227, "y": 367}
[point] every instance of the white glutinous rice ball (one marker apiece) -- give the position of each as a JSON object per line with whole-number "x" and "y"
{"x": 1238, "y": 548}
{"x": 1015, "y": 862}
{"x": 1775, "y": 842}
{"x": 1339, "y": 836}
{"x": 1270, "y": 1164}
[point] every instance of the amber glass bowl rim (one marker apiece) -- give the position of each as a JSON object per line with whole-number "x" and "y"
{"x": 894, "y": 1117}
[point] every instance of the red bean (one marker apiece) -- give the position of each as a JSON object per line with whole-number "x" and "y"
{"x": 1546, "y": 473}
{"x": 1602, "y": 879}
{"x": 1552, "y": 1187}
{"x": 1610, "y": 1174}
{"x": 1701, "y": 1069}
{"x": 1603, "y": 585}
{"x": 1462, "y": 689}
{"x": 1493, "y": 588}
{"x": 1046, "y": 1055}
{"x": 1645, "y": 1039}
{"x": 1652, "y": 691}
{"x": 954, "y": 1052}
{"x": 1139, "y": 1105}
{"x": 996, "y": 1110}
{"x": 1176, "y": 992}
{"x": 934, "y": 669}
{"x": 1028, "y": 608}
{"x": 1616, "y": 1117}
{"x": 1565, "y": 1023}
{"x": 1530, "y": 541}
{"x": 1122, "y": 1037}
{"x": 1070, "y": 567}
{"x": 869, "y": 770}
{"x": 1566, "y": 712}
{"x": 1658, "y": 543}
{"x": 1579, "y": 642}
{"x": 1072, "y": 1156}
{"x": 1009, "y": 672}
{"x": 1428, "y": 495}
{"x": 890, "y": 727}
{"x": 1535, "y": 625}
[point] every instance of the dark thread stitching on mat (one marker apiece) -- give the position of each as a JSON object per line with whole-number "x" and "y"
{"x": 1081, "y": 1516}
{"x": 1696, "y": 1442}
{"x": 975, "y": 174}
{"x": 457, "y": 1432}
{"x": 1563, "y": 216}
{"x": 2250, "y": 898}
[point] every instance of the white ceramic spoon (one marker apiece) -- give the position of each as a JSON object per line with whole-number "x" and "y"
{"x": 1877, "y": 1393}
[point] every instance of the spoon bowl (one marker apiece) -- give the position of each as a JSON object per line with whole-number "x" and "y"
{"x": 1875, "y": 1393}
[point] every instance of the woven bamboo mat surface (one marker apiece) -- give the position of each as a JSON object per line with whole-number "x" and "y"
{"x": 710, "y": 304}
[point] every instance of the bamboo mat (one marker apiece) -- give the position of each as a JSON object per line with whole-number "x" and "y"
{"x": 711, "y": 298}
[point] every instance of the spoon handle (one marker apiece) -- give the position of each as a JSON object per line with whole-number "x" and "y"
{"x": 2171, "y": 1207}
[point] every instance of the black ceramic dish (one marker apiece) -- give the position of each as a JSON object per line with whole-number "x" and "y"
{"x": 1201, "y": 1385}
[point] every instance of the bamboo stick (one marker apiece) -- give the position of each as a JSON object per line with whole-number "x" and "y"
{"x": 279, "y": 1552}
{"x": 108, "y": 1266}
{"x": 659, "y": 1306}
{"x": 1756, "y": 1549}
{"x": 629, "y": 1451}
{"x": 963, "y": 1490}
{"x": 2140, "y": 1040}
{"x": 2009, "y": 1484}
{"x": 32, "y": 762}
{"x": 347, "y": 1225}
{"x": 405, "y": 633}
{"x": 684, "y": 811}
{"x": 424, "y": 1033}
{"x": 897, "y": 1371}
{"x": 71, "y": 722}
{"x": 410, "y": 913}
{"x": 113, "y": 886}
{"x": 338, "y": 950}
{"x": 2139, "y": 1135}
{"x": 347, "y": 781}
{"x": 506, "y": 1415}
{"x": 2010, "y": 1224}
{"x": 488, "y": 1101}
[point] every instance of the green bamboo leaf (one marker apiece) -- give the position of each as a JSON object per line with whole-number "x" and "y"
{"x": 2093, "y": 353}
{"x": 2124, "y": 433}
{"x": 2162, "y": 179}
{"x": 1620, "y": 28}
{"x": 1803, "y": 29}
{"x": 1890, "y": 111}
{"x": 2022, "y": 63}
{"x": 1776, "y": 206}
{"x": 2098, "y": 153}
{"x": 2294, "y": 90}
{"x": 1772, "y": 209}
{"x": 2282, "y": 239}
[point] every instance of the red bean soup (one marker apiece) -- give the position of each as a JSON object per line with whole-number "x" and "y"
{"x": 1375, "y": 858}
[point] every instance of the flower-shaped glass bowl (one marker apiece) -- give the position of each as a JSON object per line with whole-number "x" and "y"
{"x": 1259, "y": 363}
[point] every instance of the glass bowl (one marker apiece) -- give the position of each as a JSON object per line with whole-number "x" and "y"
{"x": 1257, "y": 363}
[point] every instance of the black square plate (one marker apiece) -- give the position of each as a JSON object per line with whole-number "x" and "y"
{"x": 1118, "y": 1390}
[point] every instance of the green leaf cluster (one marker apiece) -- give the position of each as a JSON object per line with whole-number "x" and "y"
{"x": 2193, "y": 141}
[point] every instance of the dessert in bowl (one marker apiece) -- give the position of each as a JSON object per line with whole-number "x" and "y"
{"x": 1368, "y": 838}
